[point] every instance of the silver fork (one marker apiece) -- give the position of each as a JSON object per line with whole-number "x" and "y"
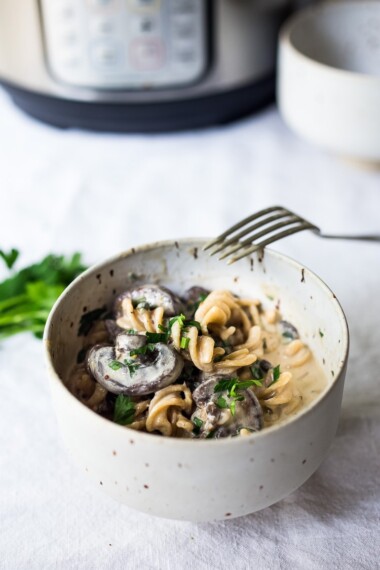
{"x": 231, "y": 243}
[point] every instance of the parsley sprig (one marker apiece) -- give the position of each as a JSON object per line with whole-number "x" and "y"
{"x": 27, "y": 295}
{"x": 130, "y": 364}
{"x": 124, "y": 412}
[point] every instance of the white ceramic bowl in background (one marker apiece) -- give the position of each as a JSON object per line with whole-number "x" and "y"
{"x": 200, "y": 480}
{"x": 329, "y": 77}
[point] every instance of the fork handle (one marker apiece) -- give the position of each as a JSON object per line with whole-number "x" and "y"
{"x": 363, "y": 237}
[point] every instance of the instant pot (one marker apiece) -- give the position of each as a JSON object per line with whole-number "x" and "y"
{"x": 139, "y": 65}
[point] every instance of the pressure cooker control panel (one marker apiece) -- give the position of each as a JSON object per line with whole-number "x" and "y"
{"x": 130, "y": 44}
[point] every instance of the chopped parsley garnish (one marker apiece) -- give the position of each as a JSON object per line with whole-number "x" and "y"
{"x": 193, "y": 324}
{"x": 321, "y": 334}
{"x": 131, "y": 331}
{"x": 232, "y": 387}
{"x": 150, "y": 347}
{"x": 157, "y": 337}
{"x": 184, "y": 342}
{"x": 124, "y": 412}
{"x": 276, "y": 374}
{"x": 198, "y": 423}
{"x": 180, "y": 319}
{"x": 221, "y": 402}
{"x": 116, "y": 365}
{"x": 183, "y": 323}
{"x": 130, "y": 364}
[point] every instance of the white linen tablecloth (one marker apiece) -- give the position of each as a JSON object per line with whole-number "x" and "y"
{"x": 63, "y": 191}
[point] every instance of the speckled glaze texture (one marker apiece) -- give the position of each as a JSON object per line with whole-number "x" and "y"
{"x": 200, "y": 480}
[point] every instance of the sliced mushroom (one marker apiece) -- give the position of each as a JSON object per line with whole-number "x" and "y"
{"x": 192, "y": 297}
{"x": 137, "y": 376}
{"x": 219, "y": 421}
{"x": 112, "y": 328}
{"x": 288, "y": 330}
{"x": 151, "y": 296}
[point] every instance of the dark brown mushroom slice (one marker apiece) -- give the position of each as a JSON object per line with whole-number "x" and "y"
{"x": 150, "y": 296}
{"x": 247, "y": 414}
{"x": 114, "y": 368}
{"x": 112, "y": 328}
{"x": 193, "y": 297}
{"x": 288, "y": 330}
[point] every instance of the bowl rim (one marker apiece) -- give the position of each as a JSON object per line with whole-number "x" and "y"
{"x": 297, "y": 18}
{"x": 175, "y": 441}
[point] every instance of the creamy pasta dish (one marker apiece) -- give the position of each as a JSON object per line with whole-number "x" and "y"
{"x": 208, "y": 364}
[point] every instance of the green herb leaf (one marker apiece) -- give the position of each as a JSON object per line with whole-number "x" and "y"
{"x": 225, "y": 385}
{"x": 180, "y": 319}
{"x": 27, "y": 297}
{"x": 132, "y": 366}
{"x": 116, "y": 365}
{"x": 198, "y": 423}
{"x": 221, "y": 402}
{"x": 157, "y": 337}
{"x": 248, "y": 383}
{"x": 194, "y": 324}
{"x": 233, "y": 407}
{"x": 150, "y": 347}
{"x": 276, "y": 374}
{"x": 124, "y": 412}
{"x": 184, "y": 342}
{"x": 321, "y": 334}
{"x": 10, "y": 257}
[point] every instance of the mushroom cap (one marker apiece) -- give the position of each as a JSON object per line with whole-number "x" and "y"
{"x": 221, "y": 422}
{"x": 288, "y": 330}
{"x": 153, "y": 296}
{"x": 137, "y": 376}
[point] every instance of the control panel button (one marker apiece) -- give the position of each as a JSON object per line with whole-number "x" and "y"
{"x": 103, "y": 3}
{"x": 183, "y": 26}
{"x": 147, "y": 54}
{"x": 130, "y": 44}
{"x": 145, "y": 5}
{"x": 106, "y": 55}
{"x": 183, "y": 6}
{"x": 102, "y": 27}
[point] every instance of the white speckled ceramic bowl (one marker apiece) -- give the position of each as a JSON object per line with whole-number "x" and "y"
{"x": 200, "y": 480}
{"x": 329, "y": 77}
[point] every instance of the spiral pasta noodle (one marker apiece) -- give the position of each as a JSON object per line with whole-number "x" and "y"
{"x": 231, "y": 365}
{"x": 283, "y": 393}
{"x": 139, "y": 318}
{"x": 165, "y": 410}
{"x": 86, "y": 389}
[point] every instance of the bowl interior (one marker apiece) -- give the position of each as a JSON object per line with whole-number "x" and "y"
{"x": 343, "y": 35}
{"x": 303, "y": 298}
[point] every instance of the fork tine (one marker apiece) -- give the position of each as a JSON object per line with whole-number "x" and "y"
{"x": 240, "y": 224}
{"x": 304, "y": 226}
{"x": 243, "y": 244}
{"x": 247, "y": 230}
